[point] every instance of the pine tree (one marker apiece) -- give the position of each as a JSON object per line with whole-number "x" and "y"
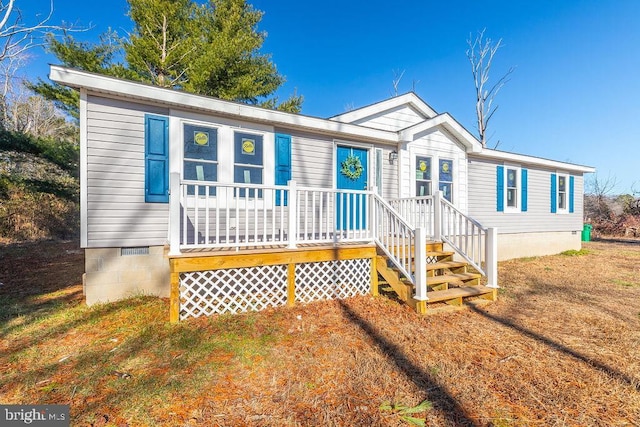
{"x": 96, "y": 58}
{"x": 163, "y": 42}
{"x": 211, "y": 49}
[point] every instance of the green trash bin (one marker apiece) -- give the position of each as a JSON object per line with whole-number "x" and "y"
{"x": 586, "y": 232}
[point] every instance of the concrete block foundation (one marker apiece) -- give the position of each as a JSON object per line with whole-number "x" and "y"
{"x": 110, "y": 275}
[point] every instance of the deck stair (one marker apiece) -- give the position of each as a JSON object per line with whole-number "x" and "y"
{"x": 448, "y": 281}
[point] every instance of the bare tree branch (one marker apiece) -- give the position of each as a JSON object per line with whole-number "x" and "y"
{"x": 600, "y": 186}
{"x": 481, "y": 53}
{"x": 397, "y": 76}
{"x": 16, "y": 37}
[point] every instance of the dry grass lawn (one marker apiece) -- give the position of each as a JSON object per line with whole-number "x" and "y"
{"x": 561, "y": 347}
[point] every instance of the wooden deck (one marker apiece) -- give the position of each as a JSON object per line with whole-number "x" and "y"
{"x": 196, "y": 260}
{"x": 309, "y": 272}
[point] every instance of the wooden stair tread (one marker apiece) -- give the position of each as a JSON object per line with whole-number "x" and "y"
{"x": 440, "y": 253}
{"x": 466, "y": 291}
{"x": 446, "y": 278}
{"x": 445, "y": 264}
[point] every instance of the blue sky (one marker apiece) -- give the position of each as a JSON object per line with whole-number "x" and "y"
{"x": 574, "y": 96}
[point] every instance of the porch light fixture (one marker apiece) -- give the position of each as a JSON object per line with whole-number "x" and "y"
{"x": 393, "y": 156}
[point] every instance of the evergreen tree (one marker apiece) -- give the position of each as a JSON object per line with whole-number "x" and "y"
{"x": 96, "y": 58}
{"x": 229, "y": 65}
{"x": 211, "y": 49}
{"x": 164, "y": 41}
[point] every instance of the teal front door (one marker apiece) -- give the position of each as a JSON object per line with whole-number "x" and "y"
{"x": 351, "y": 174}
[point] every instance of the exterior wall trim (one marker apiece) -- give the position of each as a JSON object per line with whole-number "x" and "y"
{"x": 84, "y": 192}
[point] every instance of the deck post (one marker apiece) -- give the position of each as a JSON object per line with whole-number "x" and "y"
{"x": 174, "y": 299}
{"x": 420, "y": 274}
{"x": 293, "y": 214}
{"x": 437, "y": 215}
{"x": 374, "y": 276}
{"x": 174, "y": 214}
{"x": 291, "y": 285}
{"x": 372, "y": 210}
{"x": 491, "y": 254}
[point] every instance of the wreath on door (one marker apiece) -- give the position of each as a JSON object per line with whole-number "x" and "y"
{"x": 351, "y": 167}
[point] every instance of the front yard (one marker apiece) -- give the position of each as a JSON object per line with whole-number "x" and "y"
{"x": 561, "y": 347}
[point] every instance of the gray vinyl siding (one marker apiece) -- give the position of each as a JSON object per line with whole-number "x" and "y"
{"x": 117, "y": 214}
{"x": 390, "y": 186}
{"x": 312, "y": 162}
{"x": 393, "y": 120}
{"x": 538, "y": 218}
{"x": 311, "y": 159}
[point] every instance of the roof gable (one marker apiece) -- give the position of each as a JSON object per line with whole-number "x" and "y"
{"x": 406, "y": 110}
{"x": 448, "y": 123}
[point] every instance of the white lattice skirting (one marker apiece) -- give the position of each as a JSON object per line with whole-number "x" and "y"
{"x": 332, "y": 279}
{"x": 239, "y": 290}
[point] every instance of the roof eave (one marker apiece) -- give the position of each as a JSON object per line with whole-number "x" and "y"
{"x": 539, "y": 161}
{"x": 144, "y": 92}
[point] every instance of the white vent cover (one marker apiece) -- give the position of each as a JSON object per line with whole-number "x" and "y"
{"x": 142, "y": 250}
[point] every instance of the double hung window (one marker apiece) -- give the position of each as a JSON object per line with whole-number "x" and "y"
{"x": 423, "y": 176}
{"x": 248, "y": 161}
{"x": 445, "y": 183}
{"x": 200, "y": 155}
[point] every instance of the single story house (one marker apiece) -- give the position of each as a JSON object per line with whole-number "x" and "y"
{"x": 227, "y": 207}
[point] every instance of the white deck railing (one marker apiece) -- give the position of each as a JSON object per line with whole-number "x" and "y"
{"x": 417, "y": 211}
{"x": 466, "y": 236}
{"x": 329, "y": 216}
{"x": 403, "y": 244}
{"x": 217, "y": 215}
{"x": 228, "y": 215}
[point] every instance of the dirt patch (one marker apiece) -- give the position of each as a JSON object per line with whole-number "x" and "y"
{"x": 561, "y": 347}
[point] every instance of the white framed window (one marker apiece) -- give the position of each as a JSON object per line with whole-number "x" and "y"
{"x": 512, "y": 188}
{"x": 423, "y": 176}
{"x": 200, "y": 154}
{"x": 445, "y": 178}
{"x": 248, "y": 166}
{"x": 563, "y": 193}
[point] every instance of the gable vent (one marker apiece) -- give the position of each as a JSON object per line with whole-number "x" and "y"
{"x": 142, "y": 250}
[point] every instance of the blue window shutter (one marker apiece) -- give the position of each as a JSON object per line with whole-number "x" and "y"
{"x": 554, "y": 193}
{"x": 525, "y": 191}
{"x": 283, "y": 164}
{"x": 500, "y": 188}
{"x": 156, "y": 159}
{"x": 571, "y": 184}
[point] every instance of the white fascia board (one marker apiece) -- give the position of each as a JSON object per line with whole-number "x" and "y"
{"x": 144, "y": 92}
{"x": 447, "y": 122}
{"x": 538, "y": 161}
{"x": 410, "y": 99}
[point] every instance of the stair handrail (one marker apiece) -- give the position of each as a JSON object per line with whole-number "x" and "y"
{"x": 464, "y": 234}
{"x": 393, "y": 234}
{"x": 418, "y": 211}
